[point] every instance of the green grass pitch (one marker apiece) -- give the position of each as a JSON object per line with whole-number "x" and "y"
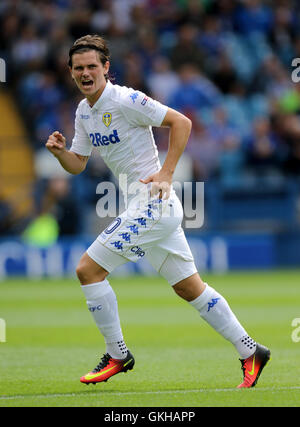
{"x": 51, "y": 341}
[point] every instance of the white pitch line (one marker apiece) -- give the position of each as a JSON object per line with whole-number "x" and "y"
{"x": 131, "y": 393}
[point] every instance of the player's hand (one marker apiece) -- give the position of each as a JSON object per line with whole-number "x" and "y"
{"x": 161, "y": 184}
{"x": 56, "y": 143}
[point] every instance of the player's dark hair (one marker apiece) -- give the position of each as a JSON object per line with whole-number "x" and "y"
{"x": 91, "y": 42}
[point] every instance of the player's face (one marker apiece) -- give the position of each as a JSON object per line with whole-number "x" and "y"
{"x": 88, "y": 73}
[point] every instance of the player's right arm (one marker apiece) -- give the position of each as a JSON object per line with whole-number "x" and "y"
{"x": 72, "y": 162}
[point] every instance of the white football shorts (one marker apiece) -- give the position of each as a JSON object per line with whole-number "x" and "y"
{"x": 151, "y": 229}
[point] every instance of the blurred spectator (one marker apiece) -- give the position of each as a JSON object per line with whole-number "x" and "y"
{"x": 122, "y": 15}
{"x": 133, "y": 72}
{"x": 192, "y": 12}
{"x": 148, "y": 50}
{"x": 229, "y": 153}
{"x": 292, "y": 162}
{"x": 187, "y": 49}
{"x": 102, "y": 18}
{"x": 224, "y": 9}
{"x": 79, "y": 21}
{"x": 165, "y": 14}
{"x": 204, "y": 150}
{"x": 283, "y": 32}
{"x": 287, "y": 127}
{"x": 5, "y": 217}
{"x": 263, "y": 157}
{"x": 236, "y": 106}
{"x": 41, "y": 98}
{"x": 9, "y": 31}
{"x": 280, "y": 81}
{"x": 231, "y": 168}
{"x": 211, "y": 37}
{"x": 253, "y": 16}
{"x": 59, "y": 201}
{"x": 195, "y": 90}
{"x": 162, "y": 81}
{"x": 220, "y": 127}
{"x": 290, "y": 102}
{"x": 223, "y": 73}
{"x": 30, "y": 49}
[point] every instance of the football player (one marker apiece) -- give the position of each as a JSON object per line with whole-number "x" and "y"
{"x": 117, "y": 121}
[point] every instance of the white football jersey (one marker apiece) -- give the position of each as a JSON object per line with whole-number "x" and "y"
{"x": 119, "y": 126}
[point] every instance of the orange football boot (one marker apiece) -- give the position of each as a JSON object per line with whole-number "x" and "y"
{"x": 107, "y": 368}
{"x": 253, "y": 365}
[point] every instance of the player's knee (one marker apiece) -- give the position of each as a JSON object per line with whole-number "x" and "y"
{"x": 89, "y": 272}
{"x": 181, "y": 292}
{"x": 190, "y": 288}
{"x": 81, "y": 272}
{"x": 186, "y": 293}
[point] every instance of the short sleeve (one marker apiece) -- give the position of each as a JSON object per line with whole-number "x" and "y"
{"x": 141, "y": 110}
{"x": 81, "y": 143}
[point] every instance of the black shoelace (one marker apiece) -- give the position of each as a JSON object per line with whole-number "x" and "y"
{"x": 104, "y": 361}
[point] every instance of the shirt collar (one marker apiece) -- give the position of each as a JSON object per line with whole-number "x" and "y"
{"x": 103, "y": 96}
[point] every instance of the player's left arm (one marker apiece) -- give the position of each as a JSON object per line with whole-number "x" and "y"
{"x": 180, "y": 128}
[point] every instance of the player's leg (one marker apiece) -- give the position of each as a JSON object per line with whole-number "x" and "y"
{"x": 215, "y": 310}
{"x": 88, "y": 271}
{"x": 125, "y": 239}
{"x": 122, "y": 241}
{"x": 102, "y": 303}
{"x": 179, "y": 270}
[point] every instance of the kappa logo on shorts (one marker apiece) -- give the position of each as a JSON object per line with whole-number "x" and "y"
{"x": 142, "y": 221}
{"x": 134, "y": 229}
{"x": 118, "y": 245}
{"x": 125, "y": 236}
{"x": 148, "y": 212}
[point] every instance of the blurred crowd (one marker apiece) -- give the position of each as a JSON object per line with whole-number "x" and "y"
{"x": 226, "y": 64}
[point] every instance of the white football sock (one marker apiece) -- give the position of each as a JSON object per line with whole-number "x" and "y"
{"x": 117, "y": 350}
{"x": 246, "y": 346}
{"x": 214, "y": 309}
{"x": 102, "y": 303}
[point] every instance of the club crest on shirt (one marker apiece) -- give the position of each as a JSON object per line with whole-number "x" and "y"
{"x": 106, "y": 118}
